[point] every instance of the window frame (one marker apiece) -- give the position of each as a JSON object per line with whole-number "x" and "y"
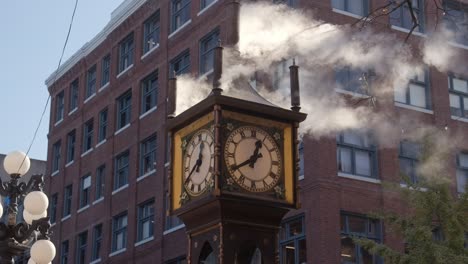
{"x": 144, "y": 218}
{"x": 404, "y": 9}
{"x": 208, "y": 54}
{"x": 56, "y": 155}
{"x": 184, "y": 12}
{"x": 148, "y": 151}
{"x": 105, "y": 69}
{"x": 414, "y": 178}
{"x": 421, "y": 83}
{"x": 81, "y": 247}
{"x": 461, "y": 95}
{"x": 126, "y": 52}
{"x": 71, "y": 145}
{"x": 151, "y": 32}
{"x": 351, "y": 73}
{"x": 59, "y": 106}
{"x": 296, "y": 239}
{"x": 85, "y": 191}
{"x": 121, "y": 180}
{"x": 117, "y": 229}
{"x": 97, "y": 242}
{"x": 149, "y": 91}
{"x": 53, "y": 208}
{"x": 100, "y": 182}
{"x": 455, "y": 6}
{"x": 464, "y": 170}
{"x": 67, "y": 200}
{"x": 372, "y": 149}
{"x": 91, "y": 76}
{"x": 88, "y": 134}
{"x": 103, "y": 122}
{"x": 74, "y": 95}
{"x": 365, "y": 7}
{"x": 124, "y": 109}
{"x": 64, "y": 251}
{"x": 182, "y": 61}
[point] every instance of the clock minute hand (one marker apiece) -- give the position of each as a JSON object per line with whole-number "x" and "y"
{"x": 200, "y": 157}
{"x": 191, "y": 172}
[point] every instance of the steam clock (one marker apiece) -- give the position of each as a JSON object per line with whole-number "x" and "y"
{"x": 234, "y": 173}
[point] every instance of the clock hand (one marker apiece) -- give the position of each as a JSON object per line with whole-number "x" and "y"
{"x": 255, "y": 156}
{"x": 200, "y": 157}
{"x": 191, "y": 172}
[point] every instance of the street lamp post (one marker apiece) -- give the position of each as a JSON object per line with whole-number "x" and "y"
{"x": 15, "y": 237}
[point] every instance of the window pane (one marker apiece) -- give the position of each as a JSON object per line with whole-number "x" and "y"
{"x": 406, "y": 169}
{"x": 400, "y": 95}
{"x": 465, "y": 106}
{"x": 302, "y": 251}
{"x": 352, "y": 138}
{"x": 288, "y": 253}
{"x": 355, "y": 7}
{"x": 417, "y": 95}
{"x": 344, "y": 160}
{"x": 366, "y": 257}
{"x": 463, "y": 160}
{"x": 339, "y": 4}
{"x": 461, "y": 180}
{"x": 295, "y": 227}
{"x": 455, "y": 106}
{"x": 460, "y": 85}
{"x": 348, "y": 254}
{"x": 357, "y": 224}
{"x": 363, "y": 163}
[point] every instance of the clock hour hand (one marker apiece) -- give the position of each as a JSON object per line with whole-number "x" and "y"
{"x": 255, "y": 156}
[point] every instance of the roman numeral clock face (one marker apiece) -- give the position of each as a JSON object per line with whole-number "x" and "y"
{"x": 253, "y": 159}
{"x": 198, "y": 162}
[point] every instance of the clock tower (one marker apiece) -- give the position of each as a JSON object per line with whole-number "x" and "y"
{"x": 234, "y": 169}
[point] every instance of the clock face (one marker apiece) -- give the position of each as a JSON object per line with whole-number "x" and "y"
{"x": 253, "y": 158}
{"x": 199, "y": 162}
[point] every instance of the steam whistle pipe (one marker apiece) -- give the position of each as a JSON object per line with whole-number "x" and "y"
{"x": 217, "y": 69}
{"x": 234, "y": 15}
{"x": 171, "y": 97}
{"x": 295, "y": 95}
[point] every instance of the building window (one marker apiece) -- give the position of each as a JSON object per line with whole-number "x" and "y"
{"x": 121, "y": 170}
{"x": 67, "y": 200}
{"x": 88, "y": 131}
{"x": 85, "y": 185}
{"x": 280, "y": 74}
{"x": 56, "y": 149}
{"x": 301, "y": 159}
{"x": 401, "y": 17}
{"x": 293, "y": 247}
{"x": 126, "y": 53}
{"x": 64, "y": 252}
{"x": 105, "y": 70}
{"x": 151, "y": 32}
{"x": 59, "y": 106}
{"x": 356, "y": 154}
{"x": 124, "y": 108}
{"x": 145, "y": 220}
{"x": 456, "y": 20}
{"x": 53, "y": 208}
{"x": 410, "y": 153}
{"x": 102, "y": 134}
{"x": 417, "y": 93}
{"x": 148, "y": 155}
{"x": 205, "y": 3}
{"x": 458, "y": 92}
{"x": 149, "y": 92}
{"x": 353, "y": 80}
{"x": 180, "y": 13}
{"x": 180, "y": 64}
{"x": 74, "y": 95}
{"x": 207, "y": 45}
{"x": 100, "y": 180}
{"x": 71, "y": 140}
{"x": 462, "y": 172}
{"x": 362, "y": 227}
{"x": 171, "y": 220}
{"x": 97, "y": 242}
{"x": 357, "y": 7}
{"x": 119, "y": 232}
{"x": 91, "y": 82}
{"x": 179, "y": 260}
{"x": 81, "y": 244}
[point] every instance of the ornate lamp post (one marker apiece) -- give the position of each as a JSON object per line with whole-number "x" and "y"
{"x": 15, "y": 238}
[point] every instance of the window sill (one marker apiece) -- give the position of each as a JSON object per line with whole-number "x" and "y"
{"x": 82, "y": 209}
{"x": 301, "y": 177}
{"x": 65, "y": 218}
{"x": 149, "y": 51}
{"x": 69, "y": 164}
{"x": 415, "y": 108}
{"x": 346, "y": 13}
{"x": 146, "y": 175}
{"x": 120, "y": 189}
{"x": 58, "y": 122}
{"x": 89, "y": 98}
{"x": 405, "y": 30}
{"x": 459, "y": 118}
{"x": 54, "y": 173}
{"x": 87, "y": 152}
{"x": 98, "y": 200}
{"x": 95, "y": 261}
{"x": 122, "y": 129}
{"x": 149, "y": 112}
{"x": 458, "y": 45}
{"x": 167, "y": 164}
{"x": 353, "y": 94}
{"x": 180, "y": 28}
{"x": 124, "y": 71}
{"x": 104, "y": 87}
{"x": 73, "y": 111}
{"x": 422, "y": 189}
{"x": 360, "y": 178}
{"x": 146, "y": 240}
{"x": 173, "y": 229}
{"x": 205, "y": 74}
{"x": 206, "y": 8}
{"x": 100, "y": 143}
{"x": 117, "y": 252}
{"x": 53, "y": 224}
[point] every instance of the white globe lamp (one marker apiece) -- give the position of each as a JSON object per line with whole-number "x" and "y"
{"x": 16, "y": 162}
{"x": 36, "y": 203}
{"x": 29, "y": 218}
{"x": 42, "y": 251}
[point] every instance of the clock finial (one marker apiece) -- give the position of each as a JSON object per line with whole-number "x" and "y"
{"x": 217, "y": 69}
{"x": 295, "y": 95}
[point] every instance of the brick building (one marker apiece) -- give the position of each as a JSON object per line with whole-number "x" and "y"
{"x": 107, "y": 152}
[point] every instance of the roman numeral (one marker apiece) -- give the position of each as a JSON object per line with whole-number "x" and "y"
{"x": 242, "y": 133}
{"x": 275, "y": 163}
{"x": 242, "y": 178}
{"x": 254, "y": 133}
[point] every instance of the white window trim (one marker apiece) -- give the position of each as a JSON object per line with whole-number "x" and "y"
{"x": 95, "y": 261}
{"x": 117, "y": 252}
{"x": 82, "y": 209}
{"x": 73, "y": 111}
{"x": 458, "y": 45}
{"x": 120, "y": 189}
{"x": 104, "y": 86}
{"x": 415, "y": 108}
{"x": 122, "y": 129}
{"x": 180, "y": 28}
{"x": 360, "y": 178}
{"x": 149, "y": 51}
{"x": 89, "y": 98}
{"x": 98, "y": 200}
{"x": 146, "y": 175}
{"x": 100, "y": 143}
{"x": 124, "y": 71}
{"x": 65, "y": 218}
{"x": 346, "y": 13}
{"x": 58, "y": 122}
{"x": 206, "y": 74}
{"x": 167, "y": 164}
{"x": 301, "y": 177}
{"x": 54, "y": 173}
{"x": 69, "y": 164}
{"x": 175, "y": 228}
{"x": 87, "y": 152}
{"x": 149, "y": 111}
{"x": 354, "y": 94}
{"x": 53, "y": 224}
{"x": 207, "y": 7}
{"x": 405, "y": 30}
{"x": 422, "y": 189}
{"x": 459, "y": 118}
{"x": 146, "y": 240}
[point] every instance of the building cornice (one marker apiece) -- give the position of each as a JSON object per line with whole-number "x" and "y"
{"x": 119, "y": 15}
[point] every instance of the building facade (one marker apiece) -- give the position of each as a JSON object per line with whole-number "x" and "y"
{"x": 108, "y": 158}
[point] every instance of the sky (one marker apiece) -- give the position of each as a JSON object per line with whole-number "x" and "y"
{"x": 32, "y": 37}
